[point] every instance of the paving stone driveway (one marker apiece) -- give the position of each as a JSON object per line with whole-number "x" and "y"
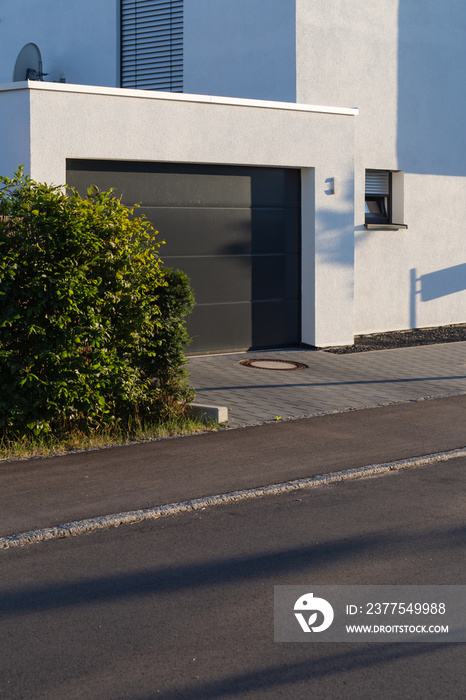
{"x": 331, "y": 382}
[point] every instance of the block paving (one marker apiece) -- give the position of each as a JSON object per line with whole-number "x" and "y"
{"x": 331, "y": 383}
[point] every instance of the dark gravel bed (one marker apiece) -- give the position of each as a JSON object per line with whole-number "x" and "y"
{"x": 403, "y": 339}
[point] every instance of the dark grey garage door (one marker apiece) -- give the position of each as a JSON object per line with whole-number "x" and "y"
{"x": 234, "y": 230}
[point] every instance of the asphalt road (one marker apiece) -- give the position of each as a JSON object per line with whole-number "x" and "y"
{"x": 46, "y": 492}
{"x": 182, "y": 608}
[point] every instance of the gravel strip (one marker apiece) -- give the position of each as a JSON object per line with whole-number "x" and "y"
{"x": 403, "y": 339}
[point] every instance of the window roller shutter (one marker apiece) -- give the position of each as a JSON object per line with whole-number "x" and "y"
{"x": 378, "y": 182}
{"x": 152, "y": 44}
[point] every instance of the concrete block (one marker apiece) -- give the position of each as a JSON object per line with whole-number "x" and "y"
{"x": 203, "y": 412}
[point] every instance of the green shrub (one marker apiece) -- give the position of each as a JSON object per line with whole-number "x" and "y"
{"x": 175, "y": 301}
{"x": 91, "y": 323}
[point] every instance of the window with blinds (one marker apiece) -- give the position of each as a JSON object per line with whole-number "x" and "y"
{"x": 152, "y": 44}
{"x": 378, "y": 199}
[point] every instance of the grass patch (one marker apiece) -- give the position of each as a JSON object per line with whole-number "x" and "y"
{"x": 47, "y": 445}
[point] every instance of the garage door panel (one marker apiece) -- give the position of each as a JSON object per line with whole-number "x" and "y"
{"x": 217, "y": 231}
{"x": 218, "y": 185}
{"x": 261, "y": 324}
{"x": 241, "y": 278}
{"x": 220, "y": 279}
{"x": 168, "y": 188}
{"x": 292, "y": 266}
{"x": 271, "y": 278}
{"x": 216, "y": 323}
{"x": 189, "y": 231}
{"x": 273, "y": 323}
{"x": 189, "y": 190}
{"x": 275, "y": 231}
{"x": 275, "y": 187}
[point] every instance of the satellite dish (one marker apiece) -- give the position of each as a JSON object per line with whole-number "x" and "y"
{"x": 28, "y": 65}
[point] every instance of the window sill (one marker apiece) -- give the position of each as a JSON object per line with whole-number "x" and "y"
{"x": 385, "y": 227}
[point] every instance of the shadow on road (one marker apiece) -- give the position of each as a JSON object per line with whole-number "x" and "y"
{"x": 214, "y": 573}
{"x": 355, "y": 659}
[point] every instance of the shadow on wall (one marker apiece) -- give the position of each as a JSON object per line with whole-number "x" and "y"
{"x": 335, "y": 227}
{"x": 434, "y": 285}
{"x": 431, "y": 87}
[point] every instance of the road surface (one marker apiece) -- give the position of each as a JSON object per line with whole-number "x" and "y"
{"x": 182, "y": 608}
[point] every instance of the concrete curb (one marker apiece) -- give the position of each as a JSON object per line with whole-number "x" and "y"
{"x": 80, "y": 527}
{"x": 207, "y": 414}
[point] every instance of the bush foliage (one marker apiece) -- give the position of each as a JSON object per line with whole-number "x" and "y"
{"x": 91, "y": 322}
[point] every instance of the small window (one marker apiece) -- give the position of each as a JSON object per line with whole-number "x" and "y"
{"x": 378, "y": 197}
{"x": 384, "y": 199}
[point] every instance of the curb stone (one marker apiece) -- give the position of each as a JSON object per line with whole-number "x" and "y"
{"x": 80, "y": 527}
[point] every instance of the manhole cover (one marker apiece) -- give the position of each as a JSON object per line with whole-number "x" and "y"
{"x": 273, "y": 364}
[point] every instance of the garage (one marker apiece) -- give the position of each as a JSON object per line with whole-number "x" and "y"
{"x": 234, "y": 230}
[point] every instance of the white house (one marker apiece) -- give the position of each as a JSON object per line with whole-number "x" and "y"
{"x": 304, "y": 161}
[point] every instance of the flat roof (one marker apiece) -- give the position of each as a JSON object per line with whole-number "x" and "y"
{"x": 175, "y": 97}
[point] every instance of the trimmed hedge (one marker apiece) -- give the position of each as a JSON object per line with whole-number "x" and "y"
{"x": 91, "y": 322}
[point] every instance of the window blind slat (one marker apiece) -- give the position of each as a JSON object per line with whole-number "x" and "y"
{"x": 378, "y": 182}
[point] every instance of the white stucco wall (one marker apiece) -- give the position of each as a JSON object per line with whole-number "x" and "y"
{"x": 78, "y": 39}
{"x": 401, "y": 62}
{"x": 346, "y": 52}
{"x": 15, "y": 131}
{"x": 73, "y": 121}
{"x": 415, "y": 278}
{"x": 242, "y": 49}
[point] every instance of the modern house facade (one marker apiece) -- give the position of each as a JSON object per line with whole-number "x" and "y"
{"x": 304, "y": 162}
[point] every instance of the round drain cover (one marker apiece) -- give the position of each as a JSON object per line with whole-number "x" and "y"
{"x": 273, "y": 364}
